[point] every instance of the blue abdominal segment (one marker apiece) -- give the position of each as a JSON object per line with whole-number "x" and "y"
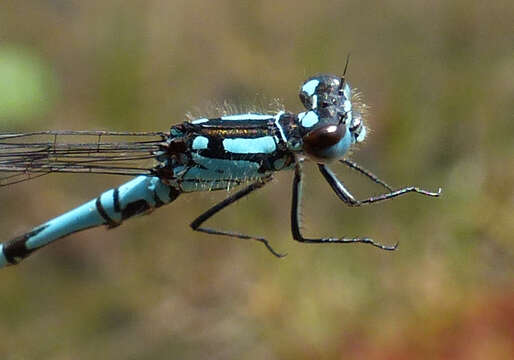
{"x": 135, "y": 197}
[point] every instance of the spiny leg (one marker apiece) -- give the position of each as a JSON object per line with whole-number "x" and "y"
{"x": 295, "y": 220}
{"x": 354, "y": 166}
{"x": 345, "y": 195}
{"x": 228, "y": 201}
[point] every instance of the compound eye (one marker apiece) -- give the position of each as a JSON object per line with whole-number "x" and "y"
{"x": 317, "y": 141}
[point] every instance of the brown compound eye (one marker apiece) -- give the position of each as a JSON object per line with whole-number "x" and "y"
{"x": 317, "y": 141}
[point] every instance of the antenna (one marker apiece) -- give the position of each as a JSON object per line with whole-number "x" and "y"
{"x": 345, "y": 68}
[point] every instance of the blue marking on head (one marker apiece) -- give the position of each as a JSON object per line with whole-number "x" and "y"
{"x": 310, "y": 87}
{"x": 308, "y": 119}
{"x": 347, "y": 105}
{"x": 347, "y": 90}
{"x": 261, "y": 145}
{"x": 200, "y": 142}
{"x": 362, "y": 135}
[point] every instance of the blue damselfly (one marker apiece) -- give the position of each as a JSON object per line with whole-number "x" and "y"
{"x": 199, "y": 155}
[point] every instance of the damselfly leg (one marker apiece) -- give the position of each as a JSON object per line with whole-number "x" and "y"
{"x": 296, "y": 223}
{"x": 195, "y": 225}
{"x": 354, "y": 166}
{"x": 345, "y": 195}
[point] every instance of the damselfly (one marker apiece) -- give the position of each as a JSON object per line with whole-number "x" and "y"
{"x": 199, "y": 155}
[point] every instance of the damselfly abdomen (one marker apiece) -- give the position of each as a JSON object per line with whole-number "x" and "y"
{"x": 201, "y": 155}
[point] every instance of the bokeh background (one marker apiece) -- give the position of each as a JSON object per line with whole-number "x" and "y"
{"x": 439, "y": 79}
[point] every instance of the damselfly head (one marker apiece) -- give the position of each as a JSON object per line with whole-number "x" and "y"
{"x": 321, "y": 91}
{"x": 330, "y": 125}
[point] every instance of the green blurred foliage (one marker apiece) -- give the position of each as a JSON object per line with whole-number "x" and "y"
{"x": 438, "y": 79}
{"x": 27, "y": 86}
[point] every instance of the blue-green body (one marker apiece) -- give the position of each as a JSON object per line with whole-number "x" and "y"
{"x": 201, "y": 155}
{"x": 137, "y": 196}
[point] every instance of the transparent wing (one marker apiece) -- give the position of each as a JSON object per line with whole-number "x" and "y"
{"x": 25, "y": 156}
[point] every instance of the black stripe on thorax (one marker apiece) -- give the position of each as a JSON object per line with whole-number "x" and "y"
{"x": 233, "y": 128}
{"x": 248, "y": 124}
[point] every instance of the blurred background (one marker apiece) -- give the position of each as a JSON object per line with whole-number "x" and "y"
{"x": 438, "y": 78}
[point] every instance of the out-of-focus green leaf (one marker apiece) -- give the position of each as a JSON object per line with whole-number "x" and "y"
{"x": 27, "y": 85}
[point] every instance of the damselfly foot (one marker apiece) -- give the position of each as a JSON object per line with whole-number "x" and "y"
{"x": 344, "y": 240}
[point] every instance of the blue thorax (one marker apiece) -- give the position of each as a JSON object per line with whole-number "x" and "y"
{"x": 217, "y": 153}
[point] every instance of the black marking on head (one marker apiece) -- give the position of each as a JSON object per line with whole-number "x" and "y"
{"x": 326, "y": 93}
{"x": 15, "y": 249}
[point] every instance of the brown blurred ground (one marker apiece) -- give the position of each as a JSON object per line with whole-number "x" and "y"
{"x": 438, "y": 77}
